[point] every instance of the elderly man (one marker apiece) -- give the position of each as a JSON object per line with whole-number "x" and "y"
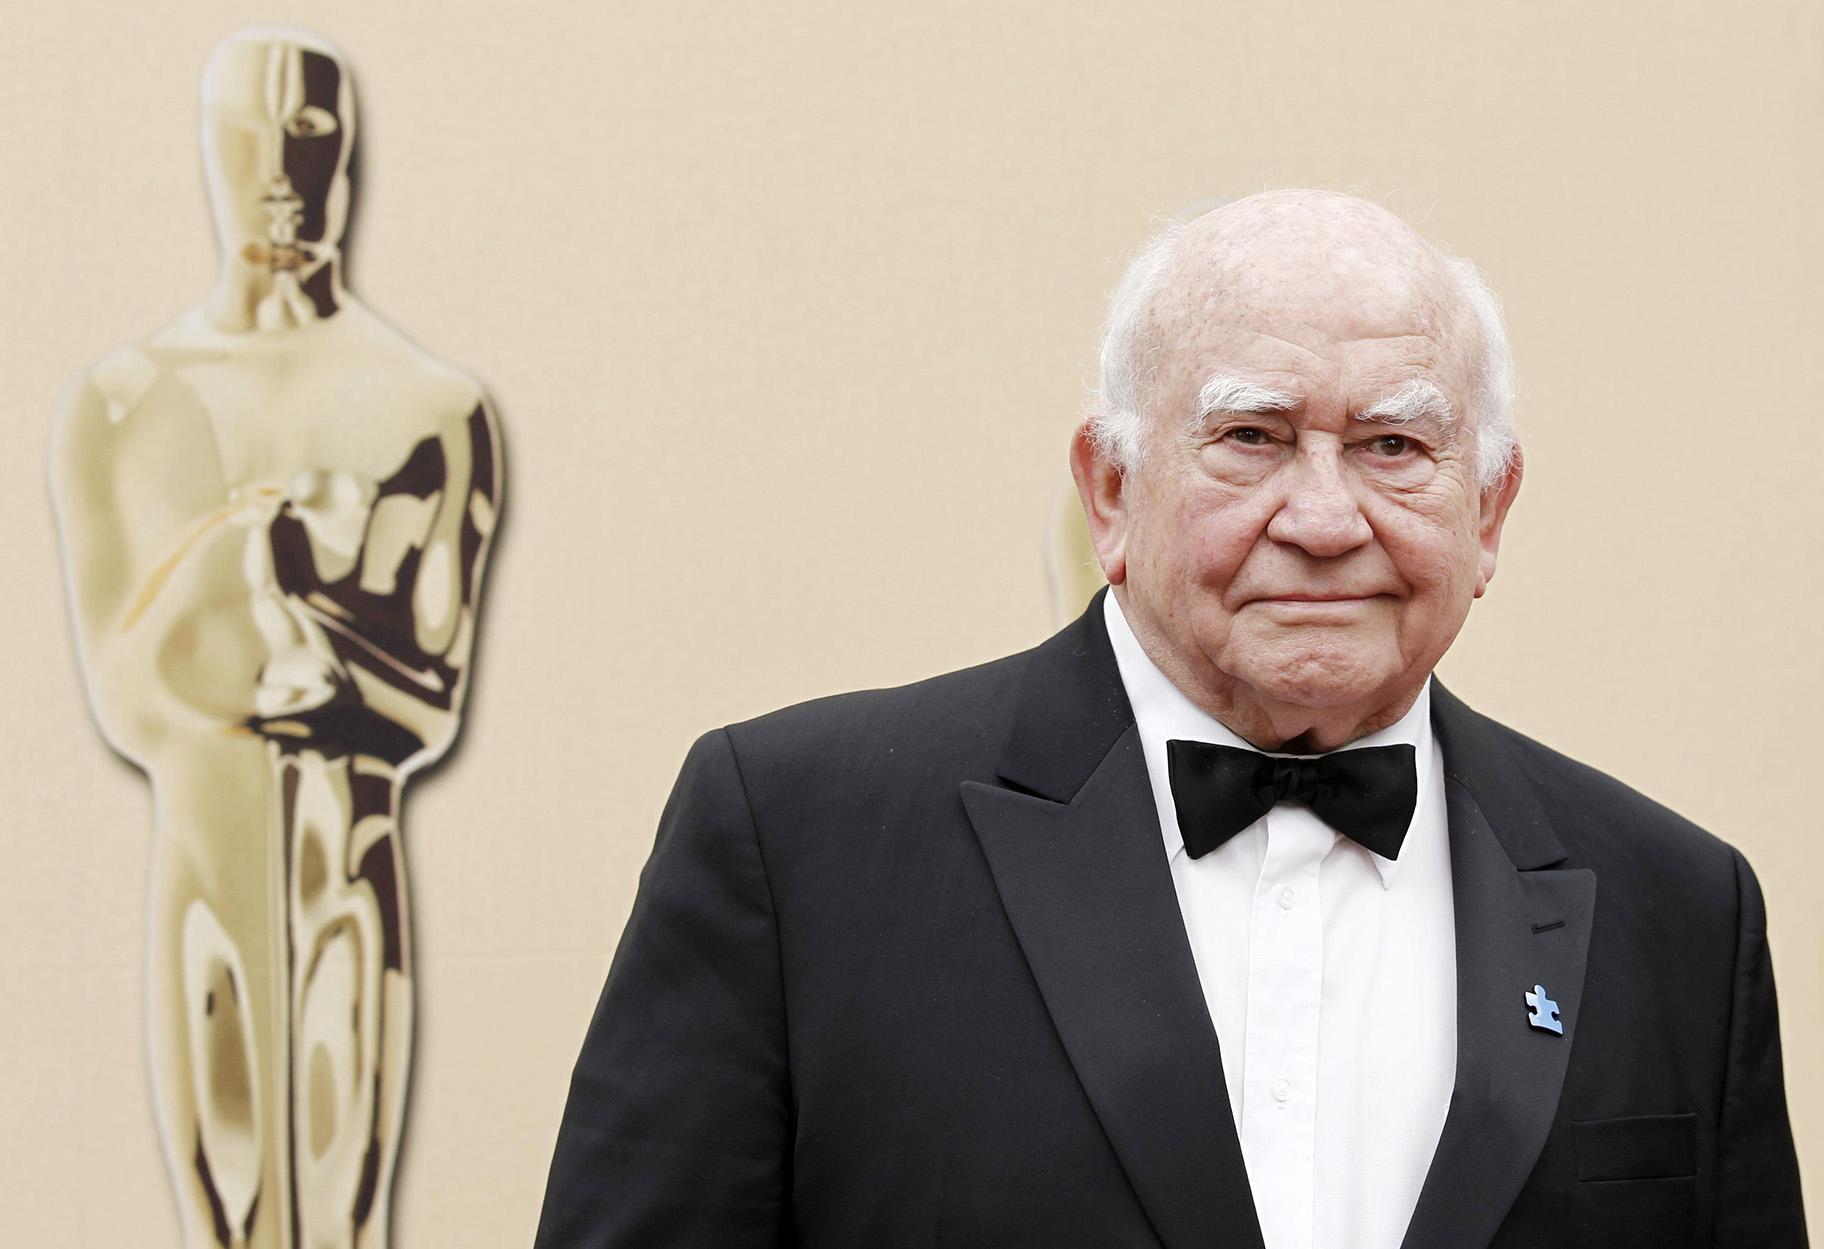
{"x": 1214, "y": 920}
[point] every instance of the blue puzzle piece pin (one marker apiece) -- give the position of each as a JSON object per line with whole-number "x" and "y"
{"x": 1544, "y": 1013}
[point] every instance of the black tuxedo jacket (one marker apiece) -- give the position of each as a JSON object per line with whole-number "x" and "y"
{"x": 906, "y": 968}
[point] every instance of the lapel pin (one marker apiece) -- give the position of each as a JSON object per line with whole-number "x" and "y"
{"x": 1544, "y": 1011}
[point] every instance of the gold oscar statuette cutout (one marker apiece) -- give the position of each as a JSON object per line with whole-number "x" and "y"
{"x": 274, "y": 514}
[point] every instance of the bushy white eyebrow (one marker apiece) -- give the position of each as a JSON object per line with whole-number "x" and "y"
{"x": 1417, "y": 400}
{"x": 1230, "y": 394}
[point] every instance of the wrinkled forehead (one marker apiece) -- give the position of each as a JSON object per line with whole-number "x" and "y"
{"x": 1310, "y": 272}
{"x": 271, "y": 81}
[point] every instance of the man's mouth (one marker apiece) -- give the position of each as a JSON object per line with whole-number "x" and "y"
{"x": 1307, "y": 606}
{"x": 1301, "y": 597}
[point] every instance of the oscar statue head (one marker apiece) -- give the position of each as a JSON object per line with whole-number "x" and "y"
{"x": 278, "y": 114}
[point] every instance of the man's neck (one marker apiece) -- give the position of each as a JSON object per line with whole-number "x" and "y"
{"x": 1263, "y": 723}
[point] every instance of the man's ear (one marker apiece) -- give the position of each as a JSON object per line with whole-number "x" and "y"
{"x": 1495, "y": 502}
{"x": 1100, "y": 485}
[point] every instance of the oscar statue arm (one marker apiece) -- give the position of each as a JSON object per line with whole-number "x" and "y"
{"x": 1758, "y": 1202}
{"x": 384, "y": 580}
{"x": 158, "y": 595}
{"x": 678, "y": 1129}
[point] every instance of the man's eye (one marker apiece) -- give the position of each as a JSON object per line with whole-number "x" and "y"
{"x": 1248, "y": 436}
{"x": 1391, "y": 445}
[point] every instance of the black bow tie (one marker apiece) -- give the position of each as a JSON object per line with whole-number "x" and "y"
{"x": 1367, "y": 794}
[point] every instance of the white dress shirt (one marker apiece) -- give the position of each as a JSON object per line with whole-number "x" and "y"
{"x": 1330, "y": 974}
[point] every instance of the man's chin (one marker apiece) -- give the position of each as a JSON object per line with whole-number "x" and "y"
{"x": 1316, "y": 680}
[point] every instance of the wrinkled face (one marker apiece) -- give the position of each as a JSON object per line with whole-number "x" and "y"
{"x": 1304, "y": 527}
{"x": 278, "y": 127}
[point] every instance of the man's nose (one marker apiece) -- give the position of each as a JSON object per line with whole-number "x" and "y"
{"x": 1319, "y": 512}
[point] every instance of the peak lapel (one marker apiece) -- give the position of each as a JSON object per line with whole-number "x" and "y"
{"x": 1518, "y": 925}
{"x": 1076, "y": 855}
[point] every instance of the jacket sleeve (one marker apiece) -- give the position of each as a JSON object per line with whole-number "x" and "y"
{"x": 1758, "y": 1204}
{"x": 678, "y": 1126}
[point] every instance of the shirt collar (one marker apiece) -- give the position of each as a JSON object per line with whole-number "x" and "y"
{"x": 1162, "y": 712}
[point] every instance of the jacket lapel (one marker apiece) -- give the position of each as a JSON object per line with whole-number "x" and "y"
{"x": 1073, "y": 841}
{"x": 1518, "y": 925}
{"x": 1072, "y": 838}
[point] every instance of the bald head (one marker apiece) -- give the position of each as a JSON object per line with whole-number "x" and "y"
{"x": 1302, "y": 251}
{"x": 1325, "y": 265}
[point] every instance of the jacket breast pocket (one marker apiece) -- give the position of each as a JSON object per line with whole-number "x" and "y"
{"x": 1638, "y": 1147}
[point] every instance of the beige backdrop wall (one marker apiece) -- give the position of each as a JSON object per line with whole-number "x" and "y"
{"x": 788, "y": 310}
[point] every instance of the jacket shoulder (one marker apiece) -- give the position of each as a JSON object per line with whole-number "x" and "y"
{"x": 955, "y": 722}
{"x": 1605, "y": 821}
{"x": 860, "y": 746}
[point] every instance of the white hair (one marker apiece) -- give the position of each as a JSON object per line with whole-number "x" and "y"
{"x": 1117, "y": 420}
{"x": 1231, "y": 394}
{"x": 1417, "y": 400}
{"x": 1492, "y": 376}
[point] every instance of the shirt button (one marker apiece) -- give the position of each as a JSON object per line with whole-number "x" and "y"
{"x": 1287, "y": 897}
{"x": 1282, "y": 1089}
